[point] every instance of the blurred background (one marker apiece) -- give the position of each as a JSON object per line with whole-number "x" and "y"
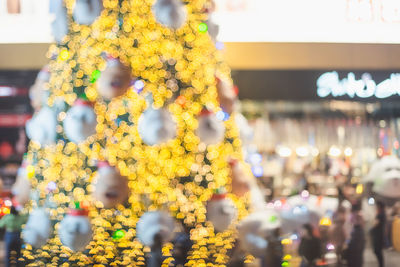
{"x": 318, "y": 81}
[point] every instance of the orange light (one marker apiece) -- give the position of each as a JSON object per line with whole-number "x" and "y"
{"x": 181, "y": 100}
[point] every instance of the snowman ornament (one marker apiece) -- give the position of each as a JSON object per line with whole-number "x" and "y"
{"x": 42, "y": 127}
{"x": 75, "y": 230}
{"x": 110, "y": 187}
{"x": 154, "y": 223}
{"x": 170, "y": 13}
{"x": 114, "y": 80}
{"x": 221, "y": 211}
{"x": 38, "y": 228}
{"x": 211, "y": 130}
{"x": 86, "y": 11}
{"x": 22, "y": 186}
{"x": 80, "y": 121}
{"x": 156, "y": 126}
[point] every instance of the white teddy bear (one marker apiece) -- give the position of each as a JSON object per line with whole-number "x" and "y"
{"x": 42, "y": 127}
{"x": 38, "y": 228}
{"x": 86, "y": 11}
{"x": 153, "y": 223}
{"x": 114, "y": 80}
{"x": 156, "y": 126}
{"x": 22, "y": 187}
{"x": 211, "y": 130}
{"x": 221, "y": 212}
{"x": 170, "y": 13}
{"x": 38, "y": 92}
{"x": 80, "y": 122}
{"x": 110, "y": 187}
{"x": 75, "y": 230}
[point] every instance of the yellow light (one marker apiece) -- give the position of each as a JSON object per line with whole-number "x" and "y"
{"x": 286, "y": 241}
{"x": 64, "y": 54}
{"x": 287, "y": 257}
{"x": 360, "y": 189}
{"x": 30, "y": 171}
{"x": 5, "y": 210}
{"x": 325, "y": 221}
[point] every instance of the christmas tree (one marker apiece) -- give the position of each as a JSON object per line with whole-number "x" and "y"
{"x": 132, "y": 144}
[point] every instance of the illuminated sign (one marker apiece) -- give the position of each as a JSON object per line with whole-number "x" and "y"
{"x": 329, "y": 84}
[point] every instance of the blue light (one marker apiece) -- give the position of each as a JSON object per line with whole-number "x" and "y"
{"x": 220, "y": 115}
{"x": 51, "y": 186}
{"x": 227, "y": 116}
{"x": 219, "y": 45}
{"x": 257, "y": 171}
{"x": 139, "y": 85}
{"x": 255, "y": 158}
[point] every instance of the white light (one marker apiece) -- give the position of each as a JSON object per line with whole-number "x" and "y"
{"x": 371, "y": 201}
{"x": 305, "y": 194}
{"x": 314, "y": 151}
{"x": 302, "y": 151}
{"x": 220, "y": 115}
{"x": 278, "y": 204}
{"x": 348, "y": 152}
{"x": 284, "y": 151}
{"x": 334, "y": 151}
{"x": 8, "y": 203}
{"x": 6, "y": 91}
{"x": 330, "y": 247}
{"x": 255, "y": 158}
{"x": 139, "y": 84}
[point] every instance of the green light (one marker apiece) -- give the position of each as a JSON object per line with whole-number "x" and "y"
{"x": 285, "y": 264}
{"x": 95, "y": 76}
{"x": 203, "y": 27}
{"x": 77, "y": 205}
{"x": 117, "y": 235}
{"x": 273, "y": 219}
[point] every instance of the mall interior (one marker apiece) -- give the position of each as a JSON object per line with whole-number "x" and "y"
{"x": 155, "y": 133}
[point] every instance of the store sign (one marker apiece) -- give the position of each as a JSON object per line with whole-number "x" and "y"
{"x": 329, "y": 84}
